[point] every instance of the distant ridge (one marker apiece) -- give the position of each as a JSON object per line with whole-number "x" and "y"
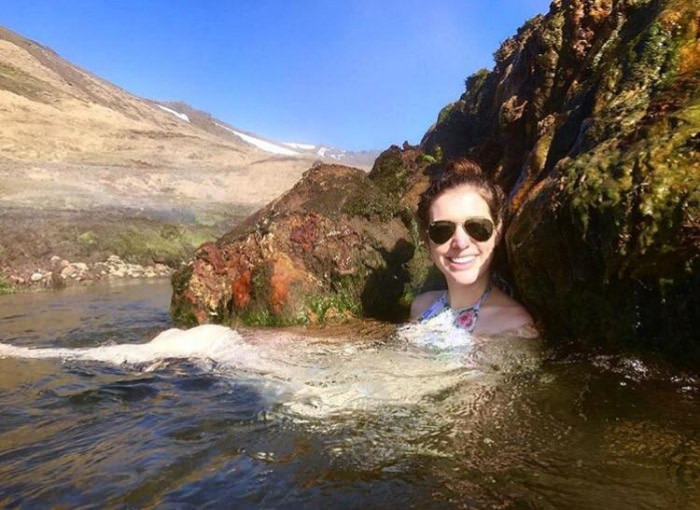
{"x": 52, "y": 110}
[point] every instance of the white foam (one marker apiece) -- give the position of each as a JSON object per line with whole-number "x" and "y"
{"x": 208, "y": 341}
{"x": 316, "y": 377}
{"x": 439, "y": 332}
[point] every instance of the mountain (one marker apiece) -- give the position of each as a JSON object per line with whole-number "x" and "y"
{"x": 74, "y": 148}
{"x": 359, "y": 159}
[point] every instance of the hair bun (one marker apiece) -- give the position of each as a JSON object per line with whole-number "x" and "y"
{"x": 464, "y": 167}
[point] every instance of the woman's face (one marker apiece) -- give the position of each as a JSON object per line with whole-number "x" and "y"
{"x": 461, "y": 259}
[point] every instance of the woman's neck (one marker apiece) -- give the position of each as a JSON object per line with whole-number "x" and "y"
{"x": 464, "y": 296}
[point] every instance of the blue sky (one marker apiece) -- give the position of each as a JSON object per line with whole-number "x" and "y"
{"x": 356, "y": 74}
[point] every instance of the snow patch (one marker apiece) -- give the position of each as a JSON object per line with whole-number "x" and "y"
{"x": 300, "y": 146}
{"x": 179, "y": 115}
{"x": 261, "y": 144}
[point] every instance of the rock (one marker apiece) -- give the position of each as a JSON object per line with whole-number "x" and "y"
{"x": 54, "y": 259}
{"x": 81, "y": 267}
{"x": 116, "y": 267}
{"x": 590, "y": 120}
{"x": 134, "y": 270}
{"x": 334, "y": 245}
{"x": 68, "y": 271}
{"x": 36, "y": 277}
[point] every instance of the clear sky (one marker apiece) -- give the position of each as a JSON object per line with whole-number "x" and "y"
{"x": 355, "y": 74}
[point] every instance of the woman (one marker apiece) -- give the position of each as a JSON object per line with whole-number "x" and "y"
{"x": 461, "y": 214}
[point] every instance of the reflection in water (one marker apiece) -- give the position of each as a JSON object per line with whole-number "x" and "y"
{"x": 101, "y": 402}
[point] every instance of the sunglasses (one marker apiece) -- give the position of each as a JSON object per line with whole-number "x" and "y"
{"x": 479, "y": 229}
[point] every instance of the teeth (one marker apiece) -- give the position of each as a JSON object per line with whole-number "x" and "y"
{"x": 463, "y": 260}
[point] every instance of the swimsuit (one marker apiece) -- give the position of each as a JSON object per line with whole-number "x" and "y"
{"x": 464, "y": 318}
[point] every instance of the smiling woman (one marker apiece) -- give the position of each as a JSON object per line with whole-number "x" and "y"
{"x": 461, "y": 215}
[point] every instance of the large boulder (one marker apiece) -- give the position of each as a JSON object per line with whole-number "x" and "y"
{"x": 335, "y": 246}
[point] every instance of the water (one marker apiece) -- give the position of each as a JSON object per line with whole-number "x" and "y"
{"x": 103, "y": 407}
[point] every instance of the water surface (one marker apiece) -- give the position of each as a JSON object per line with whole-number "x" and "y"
{"x": 345, "y": 418}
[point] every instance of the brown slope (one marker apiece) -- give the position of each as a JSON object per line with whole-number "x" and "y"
{"x": 71, "y": 141}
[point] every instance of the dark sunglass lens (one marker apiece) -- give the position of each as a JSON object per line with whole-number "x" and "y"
{"x": 441, "y": 231}
{"x": 479, "y": 229}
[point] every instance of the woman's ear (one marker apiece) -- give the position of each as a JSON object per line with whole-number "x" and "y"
{"x": 426, "y": 240}
{"x": 499, "y": 231}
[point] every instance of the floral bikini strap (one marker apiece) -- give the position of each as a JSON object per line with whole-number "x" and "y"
{"x": 438, "y": 306}
{"x": 466, "y": 317}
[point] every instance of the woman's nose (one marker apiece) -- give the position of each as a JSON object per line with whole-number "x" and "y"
{"x": 461, "y": 239}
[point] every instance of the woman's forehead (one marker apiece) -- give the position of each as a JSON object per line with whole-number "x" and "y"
{"x": 458, "y": 203}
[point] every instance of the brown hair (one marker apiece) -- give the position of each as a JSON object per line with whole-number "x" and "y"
{"x": 455, "y": 173}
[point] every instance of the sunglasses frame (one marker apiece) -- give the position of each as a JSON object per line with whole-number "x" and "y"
{"x": 467, "y": 225}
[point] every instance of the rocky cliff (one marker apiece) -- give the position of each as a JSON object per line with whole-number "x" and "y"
{"x": 590, "y": 121}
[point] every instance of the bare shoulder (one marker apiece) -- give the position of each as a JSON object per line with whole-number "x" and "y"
{"x": 502, "y": 313}
{"x": 422, "y": 301}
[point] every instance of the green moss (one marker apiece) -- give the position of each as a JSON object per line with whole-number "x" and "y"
{"x": 389, "y": 173}
{"x": 183, "y": 316}
{"x": 445, "y": 112}
{"x": 181, "y": 279}
{"x": 6, "y": 286}
{"x": 165, "y": 243}
{"x": 87, "y": 239}
{"x": 170, "y": 232}
{"x": 428, "y": 158}
{"x": 260, "y": 284}
{"x": 342, "y": 300}
{"x": 370, "y": 204}
{"x": 474, "y": 82}
{"x": 437, "y": 156}
{"x": 260, "y": 316}
{"x": 180, "y": 311}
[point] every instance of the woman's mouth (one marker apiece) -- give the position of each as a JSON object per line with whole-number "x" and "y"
{"x": 462, "y": 260}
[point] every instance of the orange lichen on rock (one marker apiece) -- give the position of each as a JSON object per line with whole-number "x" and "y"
{"x": 689, "y": 52}
{"x": 599, "y": 10}
{"x": 241, "y": 288}
{"x": 690, "y": 57}
{"x": 283, "y": 275}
